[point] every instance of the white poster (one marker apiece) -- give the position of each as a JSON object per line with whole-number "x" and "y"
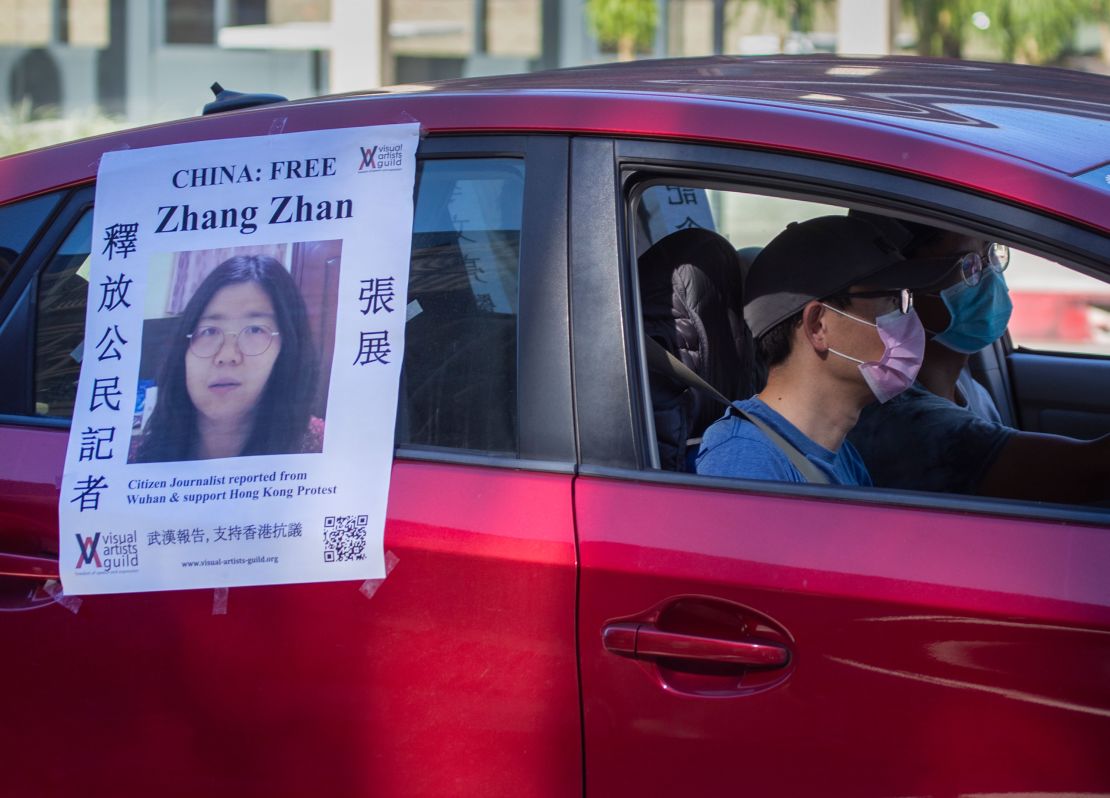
{"x": 243, "y": 344}
{"x": 672, "y": 208}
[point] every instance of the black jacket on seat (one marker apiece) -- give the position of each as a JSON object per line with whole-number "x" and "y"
{"x": 692, "y": 299}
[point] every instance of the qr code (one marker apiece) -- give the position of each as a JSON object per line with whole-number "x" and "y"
{"x": 344, "y": 538}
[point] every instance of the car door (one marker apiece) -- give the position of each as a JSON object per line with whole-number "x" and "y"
{"x": 760, "y": 638}
{"x": 456, "y": 675}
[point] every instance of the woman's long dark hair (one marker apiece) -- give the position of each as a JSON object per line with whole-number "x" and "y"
{"x": 282, "y": 414}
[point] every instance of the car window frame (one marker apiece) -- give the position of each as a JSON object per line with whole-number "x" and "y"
{"x": 545, "y": 431}
{"x": 20, "y": 297}
{"x": 625, "y": 428}
{"x": 60, "y": 196}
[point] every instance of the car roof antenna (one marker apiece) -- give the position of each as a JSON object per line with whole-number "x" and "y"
{"x": 227, "y": 100}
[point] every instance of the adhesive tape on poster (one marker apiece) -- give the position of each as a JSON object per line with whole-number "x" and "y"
{"x": 370, "y": 586}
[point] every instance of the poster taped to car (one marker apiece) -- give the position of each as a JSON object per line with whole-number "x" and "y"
{"x": 236, "y": 407}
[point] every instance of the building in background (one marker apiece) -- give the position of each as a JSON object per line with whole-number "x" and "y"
{"x": 140, "y": 59}
{"x": 145, "y": 60}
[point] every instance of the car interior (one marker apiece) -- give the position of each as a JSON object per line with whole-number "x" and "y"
{"x": 694, "y": 247}
{"x": 458, "y": 387}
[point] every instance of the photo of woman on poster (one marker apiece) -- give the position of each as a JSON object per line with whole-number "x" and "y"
{"x": 240, "y": 372}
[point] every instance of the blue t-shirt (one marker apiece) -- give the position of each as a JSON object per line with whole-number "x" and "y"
{"x": 921, "y": 441}
{"x": 734, "y": 447}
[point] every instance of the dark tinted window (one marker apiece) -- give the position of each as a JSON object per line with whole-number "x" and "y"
{"x": 18, "y": 224}
{"x": 247, "y": 12}
{"x": 190, "y": 21}
{"x": 60, "y": 322}
{"x": 459, "y": 383}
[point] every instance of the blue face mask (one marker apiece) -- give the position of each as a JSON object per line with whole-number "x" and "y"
{"x": 979, "y": 313}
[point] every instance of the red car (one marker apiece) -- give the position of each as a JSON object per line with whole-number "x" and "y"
{"x": 566, "y": 616}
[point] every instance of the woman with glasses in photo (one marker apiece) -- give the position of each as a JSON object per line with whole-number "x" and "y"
{"x": 240, "y": 375}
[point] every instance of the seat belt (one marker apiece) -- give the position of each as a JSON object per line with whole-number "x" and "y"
{"x": 663, "y": 362}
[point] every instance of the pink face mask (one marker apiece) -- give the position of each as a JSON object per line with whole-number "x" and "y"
{"x": 904, "y": 340}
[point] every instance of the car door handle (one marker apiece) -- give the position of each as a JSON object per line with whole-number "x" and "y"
{"x": 27, "y": 566}
{"x": 644, "y": 641}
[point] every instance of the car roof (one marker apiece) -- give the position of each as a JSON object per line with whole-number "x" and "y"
{"x": 1054, "y": 117}
{"x": 1034, "y": 135}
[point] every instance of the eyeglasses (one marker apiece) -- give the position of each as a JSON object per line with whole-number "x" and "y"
{"x": 996, "y": 257}
{"x": 254, "y": 339}
{"x": 903, "y": 295}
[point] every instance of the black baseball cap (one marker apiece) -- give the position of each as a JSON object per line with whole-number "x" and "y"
{"x": 903, "y": 233}
{"x": 822, "y": 257}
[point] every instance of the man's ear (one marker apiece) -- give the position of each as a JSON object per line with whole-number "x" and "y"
{"x": 814, "y": 326}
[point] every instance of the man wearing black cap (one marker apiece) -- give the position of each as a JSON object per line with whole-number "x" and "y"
{"x": 834, "y": 321}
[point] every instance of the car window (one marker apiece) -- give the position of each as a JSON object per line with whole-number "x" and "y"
{"x": 18, "y": 224}
{"x": 458, "y": 387}
{"x": 60, "y": 322}
{"x": 1057, "y": 309}
{"x": 694, "y": 247}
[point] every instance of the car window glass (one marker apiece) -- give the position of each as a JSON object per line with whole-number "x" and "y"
{"x": 1057, "y": 309}
{"x": 459, "y": 383}
{"x": 60, "y": 322}
{"x": 18, "y": 224}
{"x": 691, "y": 292}
{"x": 744, "y": 219}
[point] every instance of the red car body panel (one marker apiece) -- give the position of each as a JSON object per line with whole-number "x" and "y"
{"x": 310, "y": 689}
{"x": 928, "y": 648}
{"x": 30, "y": 477}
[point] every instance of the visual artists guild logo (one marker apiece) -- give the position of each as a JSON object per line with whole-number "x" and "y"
{"x": 119, "y": 553}
{"x": 89, "y": 554}
{"x": 381, "y": 158}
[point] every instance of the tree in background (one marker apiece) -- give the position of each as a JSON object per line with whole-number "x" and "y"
{"x": 1033, "y": 31}
{"x": 628, "y": 25}
{"x": 1036, "y": 31}
{"x": 942, "y": 25}
{"x": 799, "y": 14}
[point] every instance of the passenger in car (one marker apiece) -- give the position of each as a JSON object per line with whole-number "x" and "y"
{"x": 948, "y": 420}
{"x": 830, "y": 307}
{"x": 240, "y": 374}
